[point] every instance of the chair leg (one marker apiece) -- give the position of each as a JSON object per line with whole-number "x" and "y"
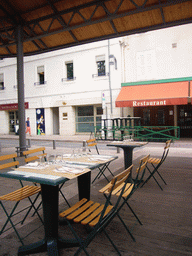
{"x": 81, "y": 243}
{"x": 101, "y": 172}
{"x": 35, "y": 209}
{"x": 134, "y": 213}
{"x": 114, "y": 246}
{"x": 151, "y": 175}
{"x": 161, "y": 178}
{"x": 63, "y": 195}
{"x": 106, "y": 167}
{"x": 129, "y": 232}
{"x": 9, "y": 220}
{"x": 160, "y": 175}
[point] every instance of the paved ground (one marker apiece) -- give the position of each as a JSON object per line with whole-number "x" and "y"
{"x": 9, "y": 244}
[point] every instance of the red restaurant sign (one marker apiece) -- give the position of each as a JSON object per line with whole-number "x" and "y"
{"x": 13, "y": 106}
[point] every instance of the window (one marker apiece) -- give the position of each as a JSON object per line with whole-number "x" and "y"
{"x": 2, "y": 82}
{"x": 161, "y": 117}
{"x": 100, "y": 61}
{"x": 69, "y": 71}
{"x": 87, "y": 117}
{"x": 41, "y": 75}
{"x": 101, "y": 68}
{"x": 146, "y": 116}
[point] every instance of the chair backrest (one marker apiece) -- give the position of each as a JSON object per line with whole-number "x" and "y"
{"x": 118, "y": 183}
{"x": 8, "y": 161}
{"x": 92, "y": 143}
{"x": 34, "y": 154}
{"x": 166, "y": 150}
{"x": 119, "y": 179}
{"x": 140, "y": 171}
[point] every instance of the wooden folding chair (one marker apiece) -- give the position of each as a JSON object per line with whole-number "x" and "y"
{"x": 25, "y": 192}
{"x": 156, "y": 163}
{"x": 34, "y": 154}
{"x": 93, "y": 143}
{"x": 130, "y": 188}
{"x": 94, "y": 215}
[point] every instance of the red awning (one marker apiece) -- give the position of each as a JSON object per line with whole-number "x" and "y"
{"x": 175, "y": 93}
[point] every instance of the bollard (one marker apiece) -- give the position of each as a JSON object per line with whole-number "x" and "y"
{"x": 118, "y": 150}
{"x": 84, "y": 145}
{"x": 54, "y": 147}
{"x": 29, "y": 143}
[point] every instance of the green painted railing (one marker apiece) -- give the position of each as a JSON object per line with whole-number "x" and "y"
{"x": 143, "y": 133}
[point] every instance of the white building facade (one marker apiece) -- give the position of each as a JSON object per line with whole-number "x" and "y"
{"x": 157, "y": 78}
{"x": 66, "y": 92}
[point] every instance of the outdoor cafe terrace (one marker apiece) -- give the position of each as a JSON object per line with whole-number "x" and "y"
{"x": 165, "y": 215}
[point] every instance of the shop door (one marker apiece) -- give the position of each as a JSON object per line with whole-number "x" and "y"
{"x": 13, "y": 122}
{"x": 185, "y": 121}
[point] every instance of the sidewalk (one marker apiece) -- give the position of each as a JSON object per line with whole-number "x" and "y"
{"x": 49, "y": 137}
{"x": 81, "y": 138}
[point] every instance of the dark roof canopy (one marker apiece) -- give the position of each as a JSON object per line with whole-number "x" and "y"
{"x": 55, "y": 24}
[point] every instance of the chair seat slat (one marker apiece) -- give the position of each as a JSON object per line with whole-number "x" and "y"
{"x": 154, "y": 160}
{"x": 96, "y": 220}
{"x": 73, "y": 208}
{"x": 21, "y": 193}
{"x": 87, "y": 213}
{"x": 80, "y": 210}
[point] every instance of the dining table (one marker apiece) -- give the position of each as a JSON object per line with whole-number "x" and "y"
{"x": 50, "y": 176}
{"x": 128, "y": 147}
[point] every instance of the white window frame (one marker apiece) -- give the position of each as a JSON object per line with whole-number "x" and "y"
{"x": 38, "y": 82}
{"x": 101, "y": 57}
{"x": 65, "y": 78}
{"x": 97, "y": 59}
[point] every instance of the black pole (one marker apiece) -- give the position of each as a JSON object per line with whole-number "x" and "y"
{"x": 20, "y": 87}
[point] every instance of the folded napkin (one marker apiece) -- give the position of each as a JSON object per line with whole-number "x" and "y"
{"x": 33, "y": 165}
{"x": 69, "y": 170}
{"x": 66, "y": 155}
{"x": 99, "y": 158}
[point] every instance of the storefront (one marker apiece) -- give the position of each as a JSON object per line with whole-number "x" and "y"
{"x": 13, "y": 118}
{"x": 160, "y": 103}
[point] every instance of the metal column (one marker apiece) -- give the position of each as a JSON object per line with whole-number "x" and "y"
{"x": 110, "y": 90}
{"x": 20, "y": 87}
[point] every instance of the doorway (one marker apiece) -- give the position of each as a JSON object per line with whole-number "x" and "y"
{"x": 55, "y": 112}
{"x": 185, "y": 120}
{"x": 13, "y": 121}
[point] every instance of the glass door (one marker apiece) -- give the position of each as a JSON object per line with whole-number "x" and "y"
{"x": 13, "y": 122}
